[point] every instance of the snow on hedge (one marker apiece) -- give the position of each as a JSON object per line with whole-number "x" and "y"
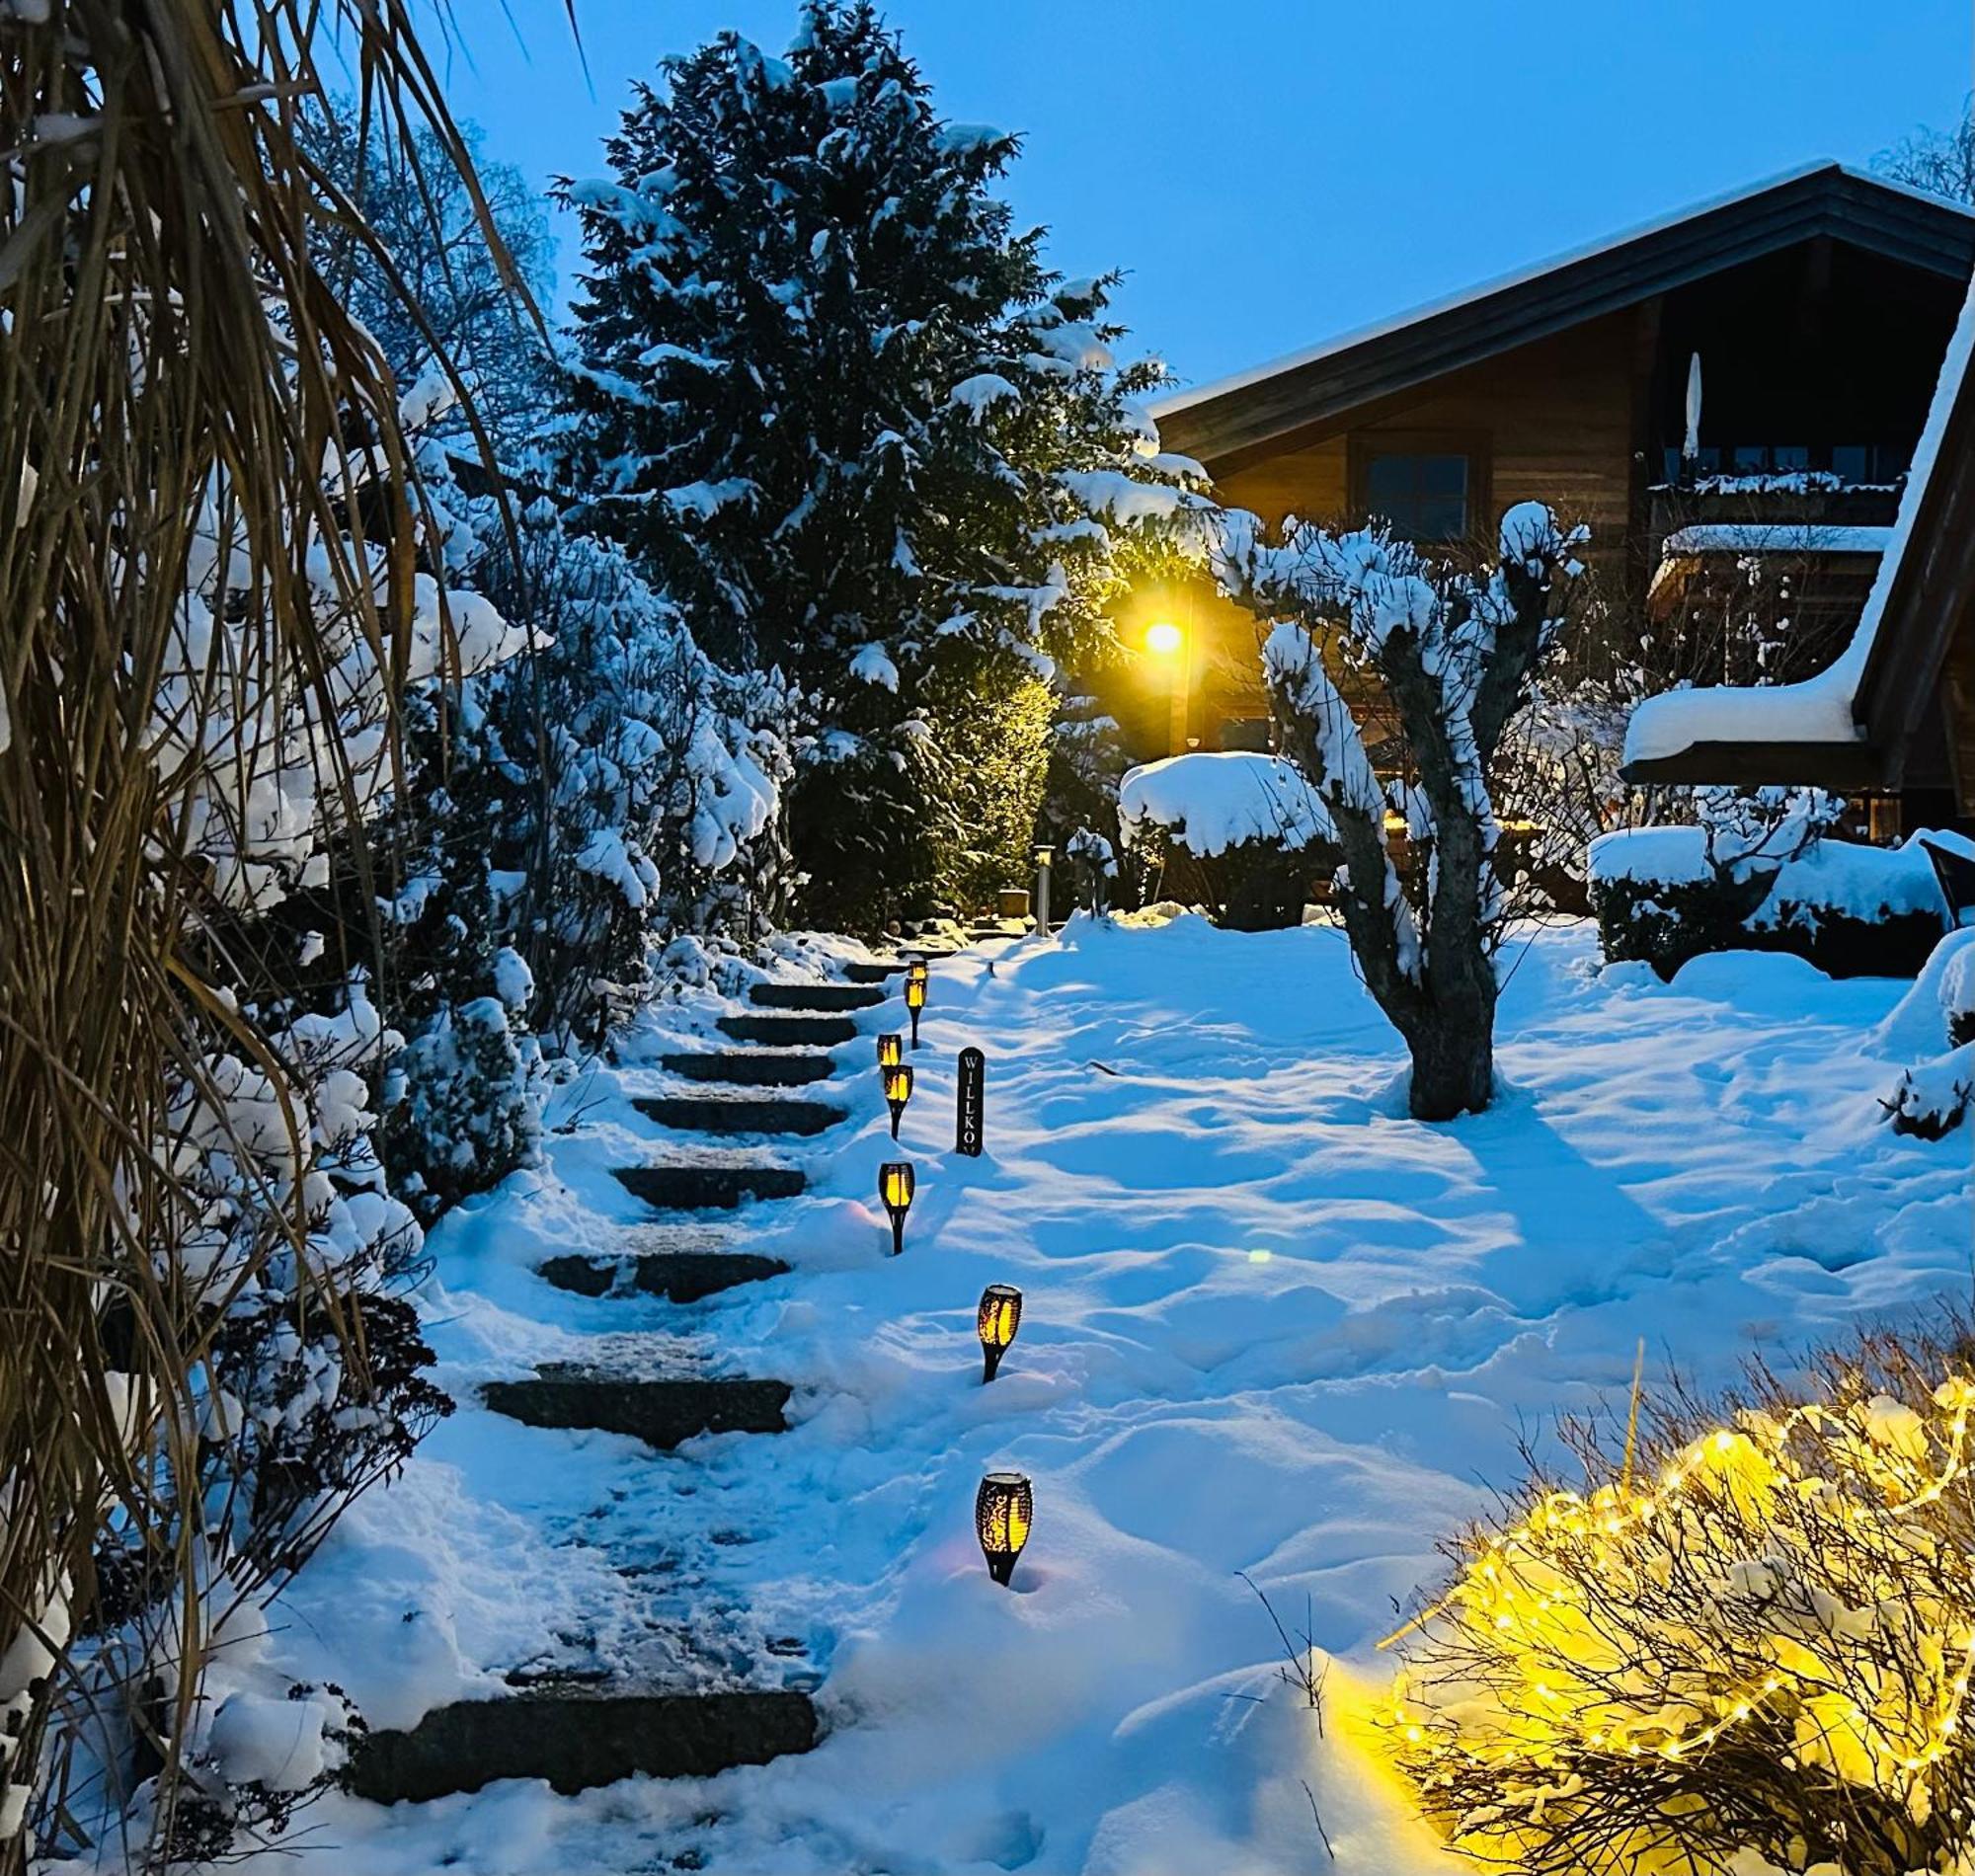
{"x": 1210, "y": 800}
{"x": 1839, "y": 875}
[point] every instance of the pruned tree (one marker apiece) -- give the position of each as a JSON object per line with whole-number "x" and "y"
{"x": 1452, "y": 652}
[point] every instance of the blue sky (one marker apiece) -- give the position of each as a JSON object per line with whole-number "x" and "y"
{"x": 1272, "y": 172}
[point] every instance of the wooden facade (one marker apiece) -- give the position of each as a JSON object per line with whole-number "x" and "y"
{"x": 1820, "y": 306}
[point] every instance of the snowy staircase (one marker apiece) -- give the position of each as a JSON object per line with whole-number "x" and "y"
{"x": 577, "y": 1738}
{"x": 574, "y": 1731}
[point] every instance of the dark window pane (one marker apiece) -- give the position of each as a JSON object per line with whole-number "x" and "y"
{"x": 1850, "y": 462}
{"x": 1751, "y": 460}
{"x": 1423, "y": 497}
{"x": 1790, "y": 456}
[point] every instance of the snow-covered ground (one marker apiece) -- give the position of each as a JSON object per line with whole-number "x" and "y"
{"x": 1272, "y": 1327}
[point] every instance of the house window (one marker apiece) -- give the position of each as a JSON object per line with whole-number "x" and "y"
{"x": 1424, "y": 492}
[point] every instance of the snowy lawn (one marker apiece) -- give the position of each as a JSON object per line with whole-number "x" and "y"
{"x": 1272, "y": 1327}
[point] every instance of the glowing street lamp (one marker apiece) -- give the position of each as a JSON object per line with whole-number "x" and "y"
{"x": 1165, "y": 638}
{"x": 895, "y": 1187}
{"x": 1003, "y": 1509}
{"x": 996, "y": 1320}
{"x": 1166, "y": 642}
{"x": 898, "y": 1091}
{"x": 915, "y": 997}
{"x": 890, "y": 1048}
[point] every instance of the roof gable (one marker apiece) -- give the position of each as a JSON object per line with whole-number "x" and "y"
{"x": 1235, "y": 416}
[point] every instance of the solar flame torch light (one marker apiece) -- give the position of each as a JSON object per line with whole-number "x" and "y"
{"x": 1003, "y": 1509}
{"x": 895, "y": 1187}
{"x": 915, "y": 997}
{"x": 898, "y": 1091}
{"x": 890, "y": 1048}
{"x": 997, "y": 1322}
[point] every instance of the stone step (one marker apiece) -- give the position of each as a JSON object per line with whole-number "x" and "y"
{"x": 873, "y": 972}
{"x": 701, "y": 1188}
{"x": 750, "y": 1068}
{"x": 676, "y": 1275}
{"x": 662, "y": 1413}
{"x": 817, "y": 996}
{"x": 728, "y": 1114}
{"x": 581, "y": 1737}
{"x": 813, "y": 1032}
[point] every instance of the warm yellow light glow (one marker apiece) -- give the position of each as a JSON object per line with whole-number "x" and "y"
{"x": 1163, "y": 637}
{"x": 1565, "y": 1644}
{"x": 915, "y": 993}
{"x": 891, "y": 1050}
{"x": 1003, "y": 1510}
{"x": 999, "y": 1315}
{"x": 894, "y": 1184}
{"x": 897, "y": 1084}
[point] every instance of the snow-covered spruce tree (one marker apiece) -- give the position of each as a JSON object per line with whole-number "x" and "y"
{"x": 835, "y": 405}
{"x": 1452, "y": 652}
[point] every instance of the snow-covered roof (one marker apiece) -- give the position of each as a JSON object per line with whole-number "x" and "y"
{"x": 1822, "y": 711}
{"x": 1830, "y": 196}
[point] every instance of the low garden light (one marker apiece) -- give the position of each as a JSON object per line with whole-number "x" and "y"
{"x": 996, "y": 1321}
{"x": 890, "y": 1048}
{"x": 915, "y": 997}
{"x": 898, "y": 1091}
{"x": 1003, "y": 1509}
{"x": 895, "y": 1187}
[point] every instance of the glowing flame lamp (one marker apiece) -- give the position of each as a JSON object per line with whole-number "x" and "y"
{"x": 890, "y": 1048}
{"x": 998, "y": 1318}
{"x": 1003, "y": 1509}
{"x": 916, "y": 995}
{"x": 898, "y": 1091}
{"x": 895, "y": 1187}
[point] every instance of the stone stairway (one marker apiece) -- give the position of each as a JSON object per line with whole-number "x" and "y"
{"x": 579, "y": 1735}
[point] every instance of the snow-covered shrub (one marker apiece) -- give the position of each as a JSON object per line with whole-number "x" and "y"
{"x": 1666, "y": 895}
{"x": 829, "y": 395}
{"x": 1094, "y": 861}
{"x": 1935, "y": 1022}
{"x": 1241, "y": 835}
{"x": 1743, "y": 1643}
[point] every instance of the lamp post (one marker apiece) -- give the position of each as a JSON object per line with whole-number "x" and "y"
{"x": 898, "y": 1091}
{"x": 1044, "y": 856}
{"x": 1168, "y": 643}
{"x": 1003, "y": 1509}
{"x": 996, "y": 1321}
{"x": 895, "y": 1188}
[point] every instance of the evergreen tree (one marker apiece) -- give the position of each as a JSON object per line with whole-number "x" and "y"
{"x": 837, "y": 406}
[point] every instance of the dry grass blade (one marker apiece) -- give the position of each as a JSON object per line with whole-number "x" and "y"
{"x": 172, "y": 366}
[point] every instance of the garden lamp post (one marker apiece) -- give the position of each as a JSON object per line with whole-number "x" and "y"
{"x": 1044, "y": 856}
{"x": 996, "y": 1322}
{"x": 1168, "y": 643}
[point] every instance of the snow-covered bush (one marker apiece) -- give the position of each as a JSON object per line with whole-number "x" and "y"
{"x": 1454, "y": 650}
{"x": 1242, "y": 834}
{"x": 1743, "y": 1643}
{"x": 829, "y": 397}
{"x": 1935, "y": 1022}
{"x": 1666, "y": 895}
{"x": 1094, "y": 861}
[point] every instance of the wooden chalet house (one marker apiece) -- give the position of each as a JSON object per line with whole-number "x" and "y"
{"x": 1890, "y": 719}
{"x": 1819, "y": 306}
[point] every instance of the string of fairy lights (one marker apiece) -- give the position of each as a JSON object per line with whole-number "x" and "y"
{"x": 1004, "y": 1504}
{"x": 1513, "y": 1591}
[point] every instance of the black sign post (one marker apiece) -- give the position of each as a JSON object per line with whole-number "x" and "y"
{"x": 971, "y": 1104}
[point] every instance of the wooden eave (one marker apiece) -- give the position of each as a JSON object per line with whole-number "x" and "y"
{"x": 1306, "y": 398}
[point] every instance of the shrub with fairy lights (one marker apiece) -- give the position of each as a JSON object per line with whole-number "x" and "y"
{"x": 1744, "y": 1644}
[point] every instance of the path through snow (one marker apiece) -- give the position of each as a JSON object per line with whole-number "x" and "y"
{"x": 1272, "y": 1327}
